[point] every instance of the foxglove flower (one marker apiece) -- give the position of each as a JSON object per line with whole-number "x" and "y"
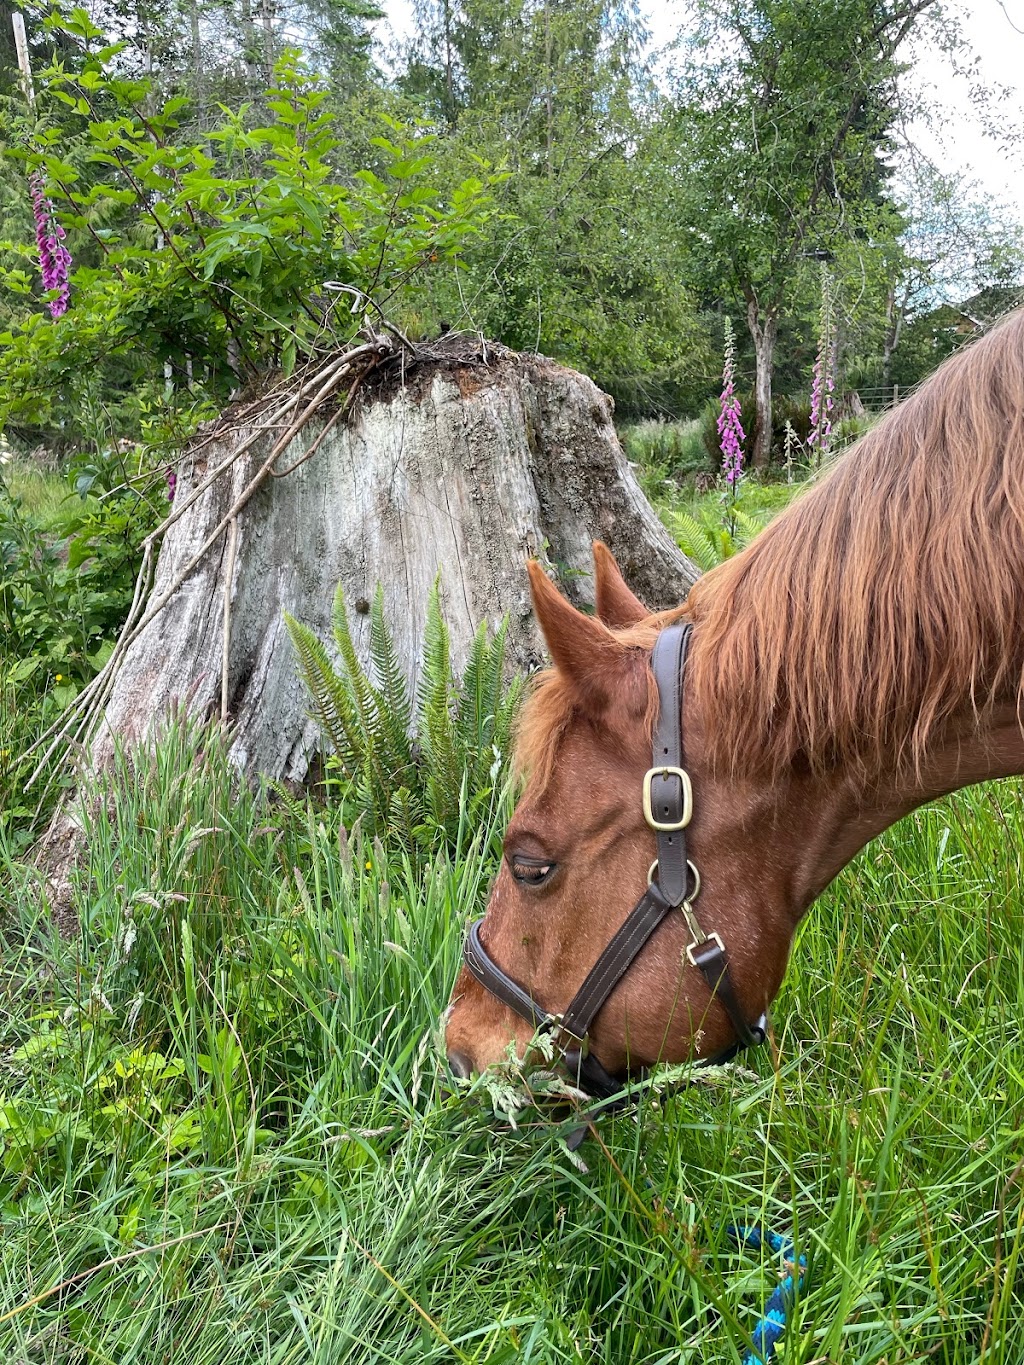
{"x": 730, "y": 430}
{"x": 54, "y": 257}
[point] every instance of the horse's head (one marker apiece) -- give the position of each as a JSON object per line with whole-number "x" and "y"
{"x": 578, "y": 852}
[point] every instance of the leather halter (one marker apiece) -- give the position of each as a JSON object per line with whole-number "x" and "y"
{"x": 673, "y": 883}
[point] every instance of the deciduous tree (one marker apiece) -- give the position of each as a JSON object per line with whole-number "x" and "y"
{"x": 783, "y": 114}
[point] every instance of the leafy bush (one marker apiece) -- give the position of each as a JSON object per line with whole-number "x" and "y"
{"x": 414, "y": 772}
{"x": 64, "y": 591}
{"x": 211, "y": 254}
{"x": 69, "y": 555}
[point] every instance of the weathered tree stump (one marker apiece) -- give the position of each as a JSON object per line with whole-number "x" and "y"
{"x": 461, "y": 465}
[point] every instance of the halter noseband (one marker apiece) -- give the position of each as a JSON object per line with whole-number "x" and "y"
{"x": 673, "y": 883}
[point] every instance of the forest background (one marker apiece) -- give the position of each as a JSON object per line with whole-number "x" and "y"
{"x": 223, "y": 191}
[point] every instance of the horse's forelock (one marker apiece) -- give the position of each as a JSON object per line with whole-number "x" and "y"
{"x": 628, "y": 701}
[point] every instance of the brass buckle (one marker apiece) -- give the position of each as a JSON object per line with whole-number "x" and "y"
{"x": 668, "y": 827}
{"x": 708, "y": 938}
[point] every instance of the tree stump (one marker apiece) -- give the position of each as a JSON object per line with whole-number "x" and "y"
{"x": 460, "y": 462}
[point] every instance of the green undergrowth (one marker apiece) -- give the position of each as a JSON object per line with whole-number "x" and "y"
{"x": 225, "y": 1136}
{"x": 41, "y": 493}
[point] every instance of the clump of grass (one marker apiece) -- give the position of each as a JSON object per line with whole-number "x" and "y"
{"x": 41, "y": 493}
{"x": 666, "y": 454}
{"x": 225, "y": 1137}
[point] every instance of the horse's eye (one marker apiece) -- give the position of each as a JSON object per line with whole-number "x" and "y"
{"x": 529, "y": 871}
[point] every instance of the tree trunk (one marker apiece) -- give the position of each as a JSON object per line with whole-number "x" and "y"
{"x": 451, "y": 115}
{"x": 894, "y": 318}
{"x": 763, "y": 331}
{"x": 250, "y": 48}
{"x": 198, "y": 74}
{"x": 267, "y": 15}
{"x": 464, "y": 467}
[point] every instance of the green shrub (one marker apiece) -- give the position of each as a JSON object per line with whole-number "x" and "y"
{"x": 66, "y": 584}
{"x": 69, "y": 554}
{"x": 216, "y": 244}
{"x": 794, "y": 410}
{"x": 664, "y": 454}
{"x": 674, "y": 446}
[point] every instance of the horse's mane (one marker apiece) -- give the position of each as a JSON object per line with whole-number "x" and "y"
{"x": 889, "y": 597}
{"x": 884, "y": 601}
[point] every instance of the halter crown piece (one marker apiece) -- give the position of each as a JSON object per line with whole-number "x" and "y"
{"x": 672, "y": 884}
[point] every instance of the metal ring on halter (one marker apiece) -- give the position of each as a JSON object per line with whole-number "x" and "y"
{"x": 695, "y": 874}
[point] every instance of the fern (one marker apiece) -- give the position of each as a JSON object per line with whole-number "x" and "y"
{"x": 700, "y": 540}
{"x": 391, "y": 696}
{"x": 443, "y": 761}
{"x": 413, "y": 771}
{"x": 332, "y": 702}
{"x": 357, "y": 683}
{"x": 481, "y": 721}
{"x": 751, "y": 523}
{"x": 707, "y": 541}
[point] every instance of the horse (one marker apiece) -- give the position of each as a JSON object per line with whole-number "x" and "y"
{"x": 864, "y": 655}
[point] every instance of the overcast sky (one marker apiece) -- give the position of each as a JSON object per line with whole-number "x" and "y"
{"x": 995, "y": 30}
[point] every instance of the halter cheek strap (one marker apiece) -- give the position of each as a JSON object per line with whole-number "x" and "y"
{"x": 673, "y": 883}
{"x": 671, "y": 805}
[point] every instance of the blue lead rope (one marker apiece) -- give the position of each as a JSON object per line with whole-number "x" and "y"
{"x": 773, "y": 1323}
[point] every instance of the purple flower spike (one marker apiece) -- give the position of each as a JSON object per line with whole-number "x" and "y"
{"x": 730, "y": 430}
{"x": 54, "y": 257}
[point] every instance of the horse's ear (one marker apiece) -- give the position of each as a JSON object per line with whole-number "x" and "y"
{"x": 616, "y": 605}
{"x": 581, "y": 646}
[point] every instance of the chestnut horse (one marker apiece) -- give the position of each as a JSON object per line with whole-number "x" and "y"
{"x": 863, "y": 656}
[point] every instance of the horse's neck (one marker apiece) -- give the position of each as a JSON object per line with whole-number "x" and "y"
{"x": 830, "y": 820}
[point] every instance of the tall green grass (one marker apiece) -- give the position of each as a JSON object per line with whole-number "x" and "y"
{"x": 42, "y": 494}
{"x": 225, "y": 1135}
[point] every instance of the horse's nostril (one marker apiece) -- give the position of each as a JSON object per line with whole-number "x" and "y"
{"x": 461, "y": 1066}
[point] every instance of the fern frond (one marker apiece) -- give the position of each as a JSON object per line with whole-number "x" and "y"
{"x": 434, "y": 713}
{"x": 696, "y": 540}
{"x": 479, "y": 713}
{"x": 751, "y": 523}
{"x": 390, "y": 690}
{"x": 404, "y": 818}
{"x": 436, "y": 666}
{"x": 352, "y": 670}
{"x": 471, "y": 704}
{"x": 331, "y": 698}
